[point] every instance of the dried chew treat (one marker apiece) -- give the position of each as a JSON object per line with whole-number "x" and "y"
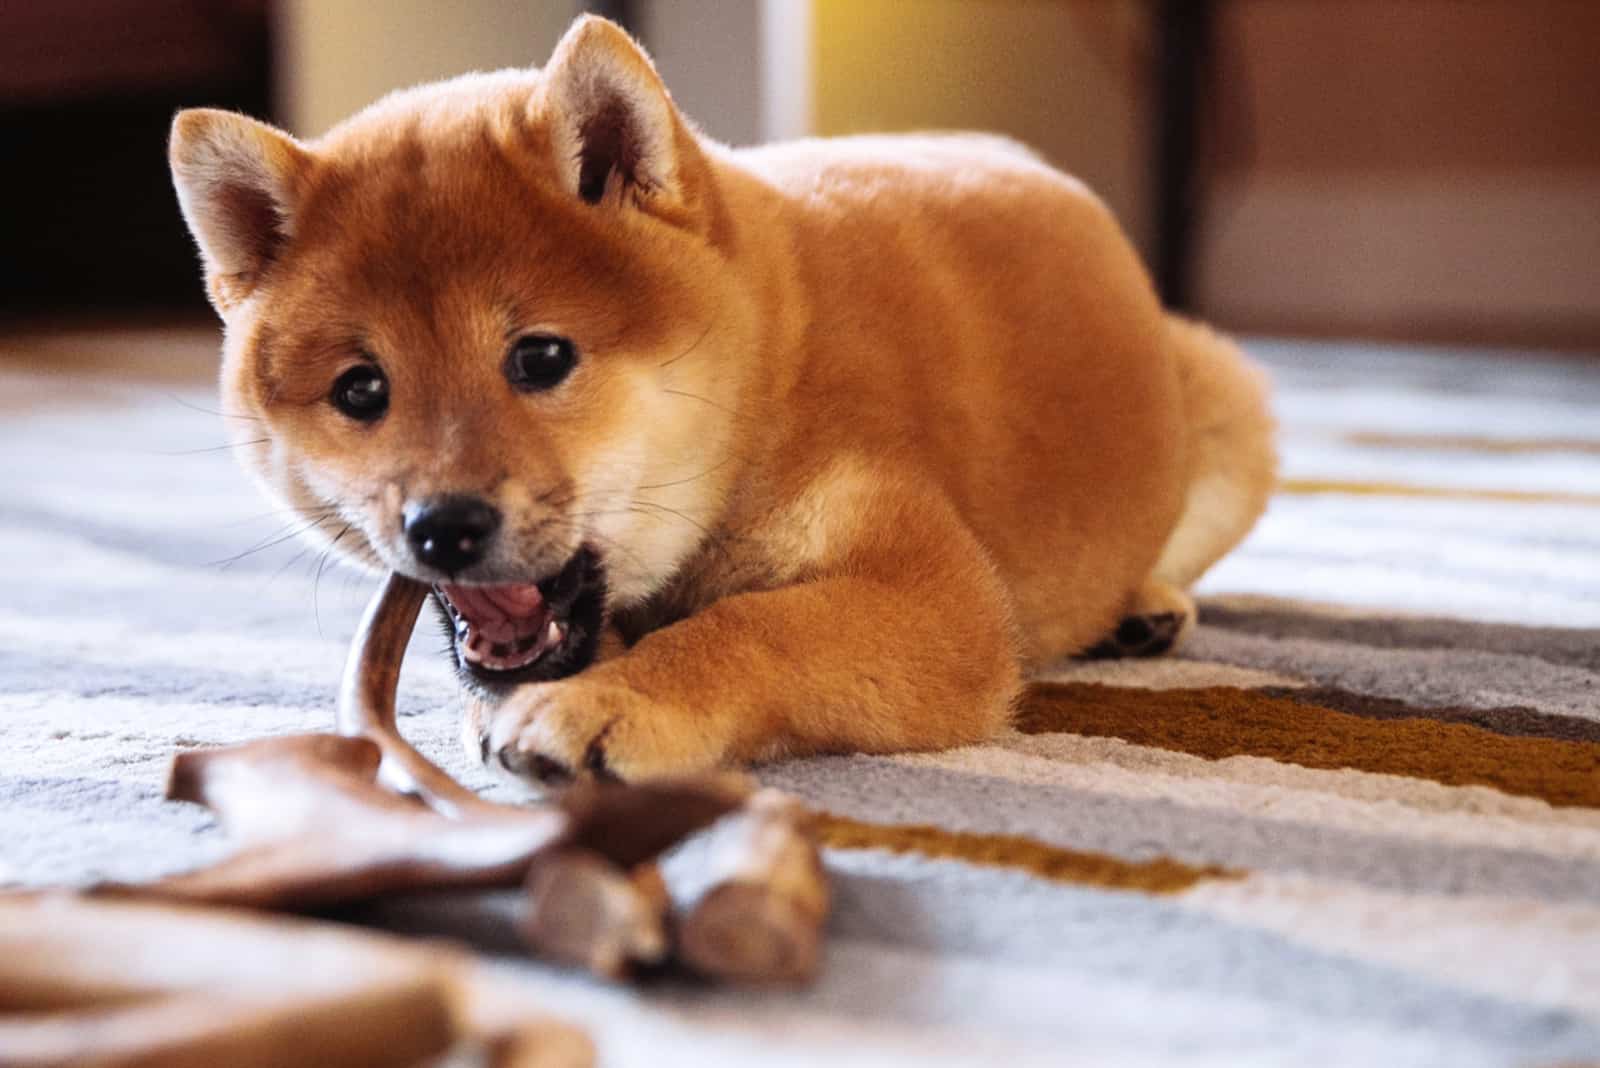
{"x": 141, "y": 983}
{"x": 367, "y": 698}
{"x": 585, "y": 910}
{"x": 318, "y": 830}
{"x": 754, "y": 900}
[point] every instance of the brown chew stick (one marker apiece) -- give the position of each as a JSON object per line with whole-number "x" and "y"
{"x": 319, "y": 831}
{"x": 585, "y": 910}
{"x": 753, "y": 912}
{"x": 760, "y": 918}
{"x": 244, "y": 785}
{"x": 109, "y": 983}
{"x": 626, "y": 824}
{"x": 367, "y": 698}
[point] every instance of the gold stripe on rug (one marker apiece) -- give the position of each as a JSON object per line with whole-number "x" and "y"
{"x": 1216, "y": 722}
{"x": 1159, "y": 876}
{"x": 1315, "y": 486}
{"x": 1470, "y": 443}
{"x": 1272, "y": 791}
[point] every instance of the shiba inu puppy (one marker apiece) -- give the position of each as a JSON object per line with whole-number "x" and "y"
{"x": 716, "y": 455}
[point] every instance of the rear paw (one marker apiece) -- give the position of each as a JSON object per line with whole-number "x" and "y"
{"x": 1142, "y": 635}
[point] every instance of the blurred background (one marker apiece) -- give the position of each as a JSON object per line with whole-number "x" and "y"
{"x": 1421, "y": 170}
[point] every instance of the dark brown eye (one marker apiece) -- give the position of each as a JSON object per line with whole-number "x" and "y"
{"x": 362, "y": 393}
{"x": 540, "y": 361}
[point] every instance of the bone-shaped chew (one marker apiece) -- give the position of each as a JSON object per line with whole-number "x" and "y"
{"x": 750, "y": 897}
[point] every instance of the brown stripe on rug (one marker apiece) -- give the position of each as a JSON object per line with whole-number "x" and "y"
{"x": 1159, "y": 876}
{"x": 1222, "y": 721}
{"x": 1318, "y": 486}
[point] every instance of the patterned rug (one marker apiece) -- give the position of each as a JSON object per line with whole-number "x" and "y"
{"x": 1356, "y": 821}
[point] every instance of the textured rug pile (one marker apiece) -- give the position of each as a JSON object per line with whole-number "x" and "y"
{"x": 1355, "y": 821}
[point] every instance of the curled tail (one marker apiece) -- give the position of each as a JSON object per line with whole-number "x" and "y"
{"x": 1233, "y": 458}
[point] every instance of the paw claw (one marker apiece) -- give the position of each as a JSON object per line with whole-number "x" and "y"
{"x": 547, "y": 771}
{"x": 596, "y": 763}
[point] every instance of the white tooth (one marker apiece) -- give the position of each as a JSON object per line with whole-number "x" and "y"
{"x": 552, "y": 633}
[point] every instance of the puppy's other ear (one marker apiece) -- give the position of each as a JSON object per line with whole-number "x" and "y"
{"x": 615, "y": 130}
{"x": 238, "y": 181}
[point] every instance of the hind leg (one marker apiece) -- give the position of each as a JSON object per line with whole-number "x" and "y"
{"x": 1156, "y": 619}
{"x": 1230, "y": 441}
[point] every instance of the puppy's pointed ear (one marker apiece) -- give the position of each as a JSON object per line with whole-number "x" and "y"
{"x": 238, "y": 182}
{"x": 613, "y": 125}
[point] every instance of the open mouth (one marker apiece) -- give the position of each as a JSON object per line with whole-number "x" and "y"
{"x": 509, "y": 633}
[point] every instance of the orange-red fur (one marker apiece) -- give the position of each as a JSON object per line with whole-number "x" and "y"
{"x": 864, "y": 427}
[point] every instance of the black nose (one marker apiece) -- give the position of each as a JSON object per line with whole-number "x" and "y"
{"x": 451, "y": 533}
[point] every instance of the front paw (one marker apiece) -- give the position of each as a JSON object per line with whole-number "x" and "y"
{"x": 551, "y": 734}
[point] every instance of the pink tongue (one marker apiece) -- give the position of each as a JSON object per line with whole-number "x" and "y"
{"x": 493, "y": 604}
